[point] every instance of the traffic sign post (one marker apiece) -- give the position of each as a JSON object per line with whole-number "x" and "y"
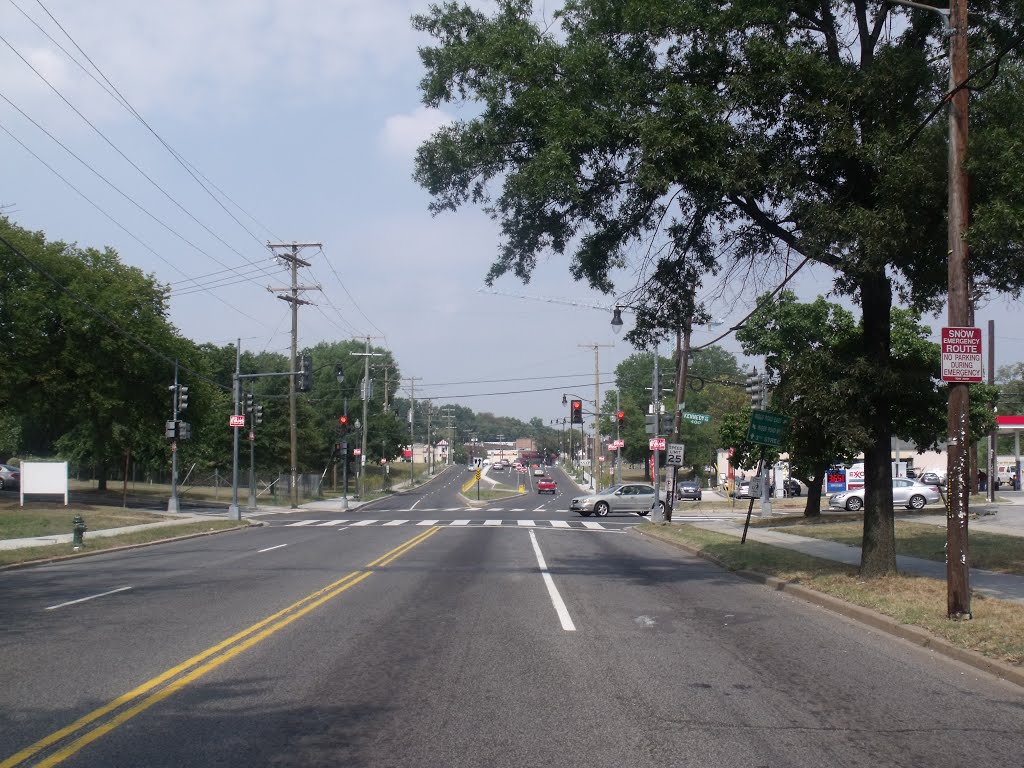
{"x": 657, "y": 443}
{"x": 961, "y": 355}
{"x": 674, "y": 453}
{"x": 695, "y": 418}
{"x": 767, "y": 428}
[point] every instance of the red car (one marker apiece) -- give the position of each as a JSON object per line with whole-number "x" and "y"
{"x": 547, "y": 485}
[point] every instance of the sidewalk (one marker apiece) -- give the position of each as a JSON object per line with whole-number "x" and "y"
{"x": 1002, "y": 586}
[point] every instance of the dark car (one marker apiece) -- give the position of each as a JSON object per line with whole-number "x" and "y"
{"x": 688, "y": 489}
{"x": 10, "y": 477}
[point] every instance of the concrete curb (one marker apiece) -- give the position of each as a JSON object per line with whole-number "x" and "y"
{"x": 77, "y": 555}
{"x": 864, "y": 615}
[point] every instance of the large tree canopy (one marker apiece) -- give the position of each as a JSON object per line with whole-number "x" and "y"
{"x": 758, "y": 126}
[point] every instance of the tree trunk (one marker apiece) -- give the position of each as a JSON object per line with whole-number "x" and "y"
{"x": 813, "y": 506}
{"x": 878, "y": 549}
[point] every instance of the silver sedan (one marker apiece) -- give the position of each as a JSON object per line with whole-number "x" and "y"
{"x": 632, "y": 497}
{"x": 912, "y": 494}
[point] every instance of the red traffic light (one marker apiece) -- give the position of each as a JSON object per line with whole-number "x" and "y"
{"x": 343, "y": 420}
{"x": 620, "y": 416}
{"x": 576, "y": 407}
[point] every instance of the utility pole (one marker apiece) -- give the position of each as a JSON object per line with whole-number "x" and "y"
{"x": 992, "y": 465}
{"x": 172, "y": 503}
{"x": 430, "y": 451}
{"x": 682, "y": 370}
{"x": 412, "y": 429}
{"x": 234, "y": 513}
{"x": 291, "y": 295}
{"x": 958, "y": 592}
{"x": 596, "y": 457}
{"x": 656, "y": 515}
{"x": 366, "y": 393}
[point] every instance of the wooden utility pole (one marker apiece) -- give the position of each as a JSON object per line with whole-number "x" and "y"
{"x": 958, "y": 593}
{"x": 595, "y": 461}
{"x": 291, "y": 295}
{"x": 682, "y": 369}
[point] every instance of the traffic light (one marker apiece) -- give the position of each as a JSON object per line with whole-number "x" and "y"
{"x": 182, "y": 398}
{"x": 171, "y": 430}
{"x": 257, "y": 414}
{"x": 305, "y": 373}
{"x": 343, "y": 424}
{"x": 576, "y": 409}
{"x": 248, "y": 402}
{"x": 755, "y": 388}
{"x": 620, "y": 418}
{"x": 184, "y": 430}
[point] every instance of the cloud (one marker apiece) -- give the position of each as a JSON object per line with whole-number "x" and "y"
{"x": 194, "y": 57}
{"x": 402, "y": 134}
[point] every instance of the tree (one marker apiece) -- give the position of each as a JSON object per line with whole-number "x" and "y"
{"x": 775, "y": 128}
{"x": 93, "y": 336}
{"x": 815, "y": 351}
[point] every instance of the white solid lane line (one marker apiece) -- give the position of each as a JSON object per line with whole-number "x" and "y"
{"x": 90, "y": 597}
{"x": 414, "y": 505}
{"x": 556, "y": 599}
{"x": 270, "y": 549}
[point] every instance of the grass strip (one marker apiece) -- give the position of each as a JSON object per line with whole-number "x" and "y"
{"x": 100, "y": 543}
{"x": 989, "y": 551}
{"x": 996, "y": 631}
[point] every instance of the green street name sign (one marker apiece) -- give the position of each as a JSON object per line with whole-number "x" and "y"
{"x": 696, "y": 418}
{"x": 767, "y": 428}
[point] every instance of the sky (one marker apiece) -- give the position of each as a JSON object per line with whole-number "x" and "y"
{"x": 193, "y": 133}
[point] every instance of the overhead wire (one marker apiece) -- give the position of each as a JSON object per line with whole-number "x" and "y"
{"x": 122, "y": 193}
{"x": 114, "y": 221}
{"x": 127, "y": 159}
{"x": 143, "y": 343}
{"x": 120, "y": 98}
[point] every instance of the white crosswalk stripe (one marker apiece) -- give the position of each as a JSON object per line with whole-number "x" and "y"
{"x": 490, "y": 523}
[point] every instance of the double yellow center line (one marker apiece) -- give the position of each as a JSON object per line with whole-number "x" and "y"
{"x": 96, "y": 724}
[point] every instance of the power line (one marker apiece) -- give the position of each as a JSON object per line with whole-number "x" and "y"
{"x": 104, "y": 316}
{"x": 131, "y": 162}
{"x": 114, "y": 221}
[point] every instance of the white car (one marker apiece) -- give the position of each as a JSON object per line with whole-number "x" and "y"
{"x": 635, "y": 498}
{"x": 912, "y": 494}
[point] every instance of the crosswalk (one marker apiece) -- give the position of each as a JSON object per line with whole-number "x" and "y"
{"x": 591, "y": 525}
{"x": 463, "y": 523}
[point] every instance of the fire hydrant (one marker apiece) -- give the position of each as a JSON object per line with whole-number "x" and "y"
{"x": 78, "y": 529}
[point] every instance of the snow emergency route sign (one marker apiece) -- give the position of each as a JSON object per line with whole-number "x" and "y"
{"x": 961, "y": 355}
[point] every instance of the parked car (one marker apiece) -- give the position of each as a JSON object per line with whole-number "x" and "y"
{"x": 742, "y": 490}
{"x": 10, "y": 477}
{"x": 635, "y": 498}
{"x": 912, "y": 494}
{"x": 547, "y": 485}
{"x": 689, "y": 489}
{"x": 933, "y": 478}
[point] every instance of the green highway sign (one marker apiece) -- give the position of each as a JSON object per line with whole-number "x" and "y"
{"x": 696, "y": 418}
{"x": 766, "y": 428}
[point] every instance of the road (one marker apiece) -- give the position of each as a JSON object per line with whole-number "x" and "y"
{"x": 405, "y": 638}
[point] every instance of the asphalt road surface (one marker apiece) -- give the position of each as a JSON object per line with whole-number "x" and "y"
{"x": 520, "y": 637}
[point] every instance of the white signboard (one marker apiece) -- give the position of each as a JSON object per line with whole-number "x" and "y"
{"x": 44, "y": 477}
{"x": 961, "y": 355}
{"x": 237, "y": 421}
{"x": 674, "y": 454}
{"x": 657, "y": 443}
